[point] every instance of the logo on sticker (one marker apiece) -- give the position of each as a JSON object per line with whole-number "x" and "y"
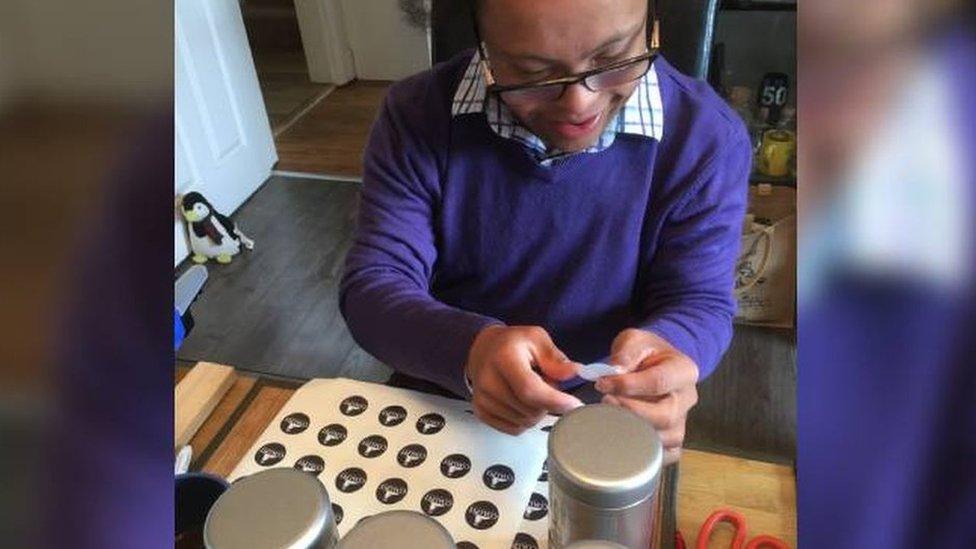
{"x": 498, "y": 477}
{"x": 269, "y": 454}
{"x": 391, "y": 491}
{"x": 392, "y": 415}
{"x": 428, "y": 424}
{"x": 481, "y": 515}
{"x": 411, "y": 455}
{"x": 524, "y": 541}
{"x": 332, "y": 435}
{"x": 353, "y": 406}
{"x": 310, "y": 464}
{"x": 350, "y": 480}
{"x": 372, "y": 446}
{"x": 537, "y": 508}
{"x": 455, "y": 466}
{"x": 437, "y": 502}
{"x": 293, "y": 424}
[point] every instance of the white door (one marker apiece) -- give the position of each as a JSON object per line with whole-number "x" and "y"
{"x": 224, "y": 146}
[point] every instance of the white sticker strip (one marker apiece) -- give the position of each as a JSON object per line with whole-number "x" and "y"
{"x": 596, "y": 370}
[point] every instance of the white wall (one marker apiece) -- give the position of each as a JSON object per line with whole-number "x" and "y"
{"x": 384, "y": 46}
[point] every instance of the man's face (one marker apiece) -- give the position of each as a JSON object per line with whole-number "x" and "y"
{"x": 531, "y": 41}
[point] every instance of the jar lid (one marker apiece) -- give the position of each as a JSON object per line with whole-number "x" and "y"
{"x": 605, "y": 456}
{"x": 275, "y": 508}
{"x": 400, "y": 529}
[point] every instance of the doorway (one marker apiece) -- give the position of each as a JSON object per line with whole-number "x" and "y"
{"x": 324, "y": 67}
{"x": 279, "y": 59}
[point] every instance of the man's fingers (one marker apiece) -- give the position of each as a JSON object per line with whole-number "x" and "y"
{"x": 665, "y": 377}
{"x": 672, "y": 455}
{"x": 532, "y": 391}
{"x": 553, "y": 362}
{"x": 665, "y": 414}
{"x": 497, "y": 422}
{"x": 503, "y": 408}
{"x": 629, "y": 349}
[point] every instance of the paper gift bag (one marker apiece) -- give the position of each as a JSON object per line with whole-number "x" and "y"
{"x": 765, "y": 276}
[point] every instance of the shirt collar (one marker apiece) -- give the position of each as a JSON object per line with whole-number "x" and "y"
{"x": 642, "y": 114}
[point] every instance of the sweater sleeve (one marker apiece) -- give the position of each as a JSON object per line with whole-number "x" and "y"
{"x": 385, "y": 289}
{"x": 688, "y": 289}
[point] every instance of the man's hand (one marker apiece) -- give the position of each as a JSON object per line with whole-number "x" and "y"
{"x": 508, "y": 394}
{"x": 659, "y": 385}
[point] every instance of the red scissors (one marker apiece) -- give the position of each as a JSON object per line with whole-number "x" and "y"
{"x": 739, "y": 541}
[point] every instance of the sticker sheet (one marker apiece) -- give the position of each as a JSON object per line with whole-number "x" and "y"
{"x": 379, "y": 448}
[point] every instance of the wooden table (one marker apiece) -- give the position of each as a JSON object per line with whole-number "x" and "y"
{"x": 765, "y": 493}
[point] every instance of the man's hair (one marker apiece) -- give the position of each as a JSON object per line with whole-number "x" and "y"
{"x": 477, "y": 6}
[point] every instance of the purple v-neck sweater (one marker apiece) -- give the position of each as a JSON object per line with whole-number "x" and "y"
{"x": 460, "y": 229}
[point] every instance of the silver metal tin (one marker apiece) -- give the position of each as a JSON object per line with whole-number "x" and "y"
{"x": 594, "y": 544}
{"x": 277, "y": 508}
{"x": 604, "y": 467}
{"x": 400, "y": 529}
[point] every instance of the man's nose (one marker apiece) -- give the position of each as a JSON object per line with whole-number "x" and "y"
{"x": 577, "y": 99}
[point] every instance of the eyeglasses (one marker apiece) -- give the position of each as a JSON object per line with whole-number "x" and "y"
{"x": 601, "y": 78}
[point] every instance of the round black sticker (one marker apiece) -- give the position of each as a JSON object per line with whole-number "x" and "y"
{"x": 498, "y": 477}
{"x": 353, "y": 406}
{"x": 436, "y": 502}
{"x": 481, "y": 515}
{"x": 524, "y": 541}
{"x": 411, "y": 455}
{"x": 547, "y": 429}
{"x": 544, "y": 476}
{"x": 391, "y": 490}
{"x": 466, "y": 545}
{"x": 350, "y": 480}
{"x": 455, "y": 466}
{"x": 338, "y": 512}
{"x": 310, "y": 464}
{"x": 293, "y": 424}
{"x": 428, "y": 424}
{"x": 332, "y": 435}
{"x": 392, "y": 415}
{"x": 372, "y": 446}
{"x": 269, "y": 454}
{"x": 537, "y": 508}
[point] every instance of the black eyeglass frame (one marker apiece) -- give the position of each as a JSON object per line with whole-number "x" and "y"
{"x": 578, "y": 78}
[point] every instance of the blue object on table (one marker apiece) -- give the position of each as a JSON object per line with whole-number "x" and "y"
{"x": 178, "y": 331}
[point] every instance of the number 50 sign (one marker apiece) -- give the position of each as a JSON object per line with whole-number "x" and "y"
{"x": 774, "y": 90}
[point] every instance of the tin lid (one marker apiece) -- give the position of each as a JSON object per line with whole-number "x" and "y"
{"x": 275, "y": 508}
{"x": 594, "y": 544}
{"x": 605, "y": 456}
{"x": 400, "y": 529}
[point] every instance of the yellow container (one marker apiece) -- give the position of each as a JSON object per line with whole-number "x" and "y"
{"x": 776, "y": 152}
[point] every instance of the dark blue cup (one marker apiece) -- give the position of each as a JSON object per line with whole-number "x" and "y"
{"x": 195, "y": 495}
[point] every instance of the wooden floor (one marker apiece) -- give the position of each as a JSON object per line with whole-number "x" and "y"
{"x": 330, "y": 138}
{"x": 285, "y": 86}
{"x": 275, "y": 310}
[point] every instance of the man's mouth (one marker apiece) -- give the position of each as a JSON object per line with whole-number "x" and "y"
{"x": 573, "y": 129}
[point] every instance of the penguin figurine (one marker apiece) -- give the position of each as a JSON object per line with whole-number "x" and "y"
{"x": 211, "y": 234}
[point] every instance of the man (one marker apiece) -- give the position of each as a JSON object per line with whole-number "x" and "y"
{"x": 507, "y": 231}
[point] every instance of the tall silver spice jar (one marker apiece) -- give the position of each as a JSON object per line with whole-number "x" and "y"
{"x": 604, "y": 470}
{"x": 397, "y": 529}
{"x": 280, "y": 508}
